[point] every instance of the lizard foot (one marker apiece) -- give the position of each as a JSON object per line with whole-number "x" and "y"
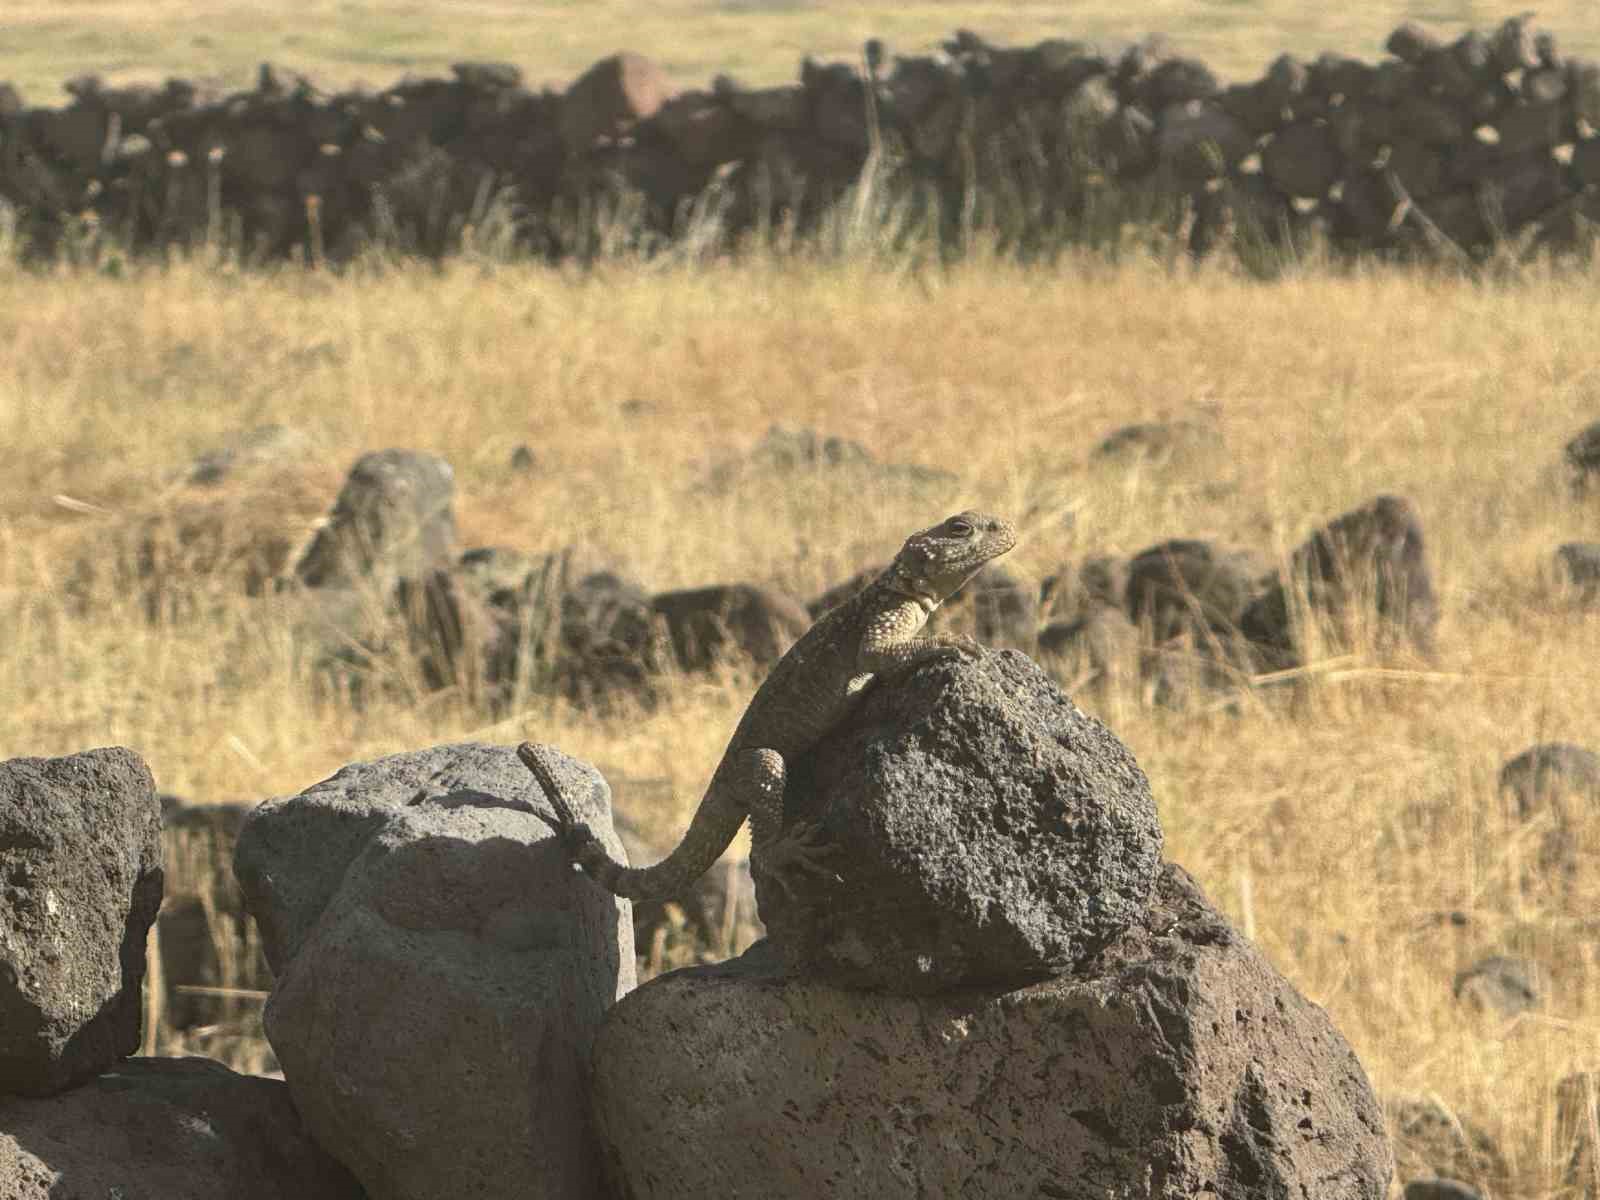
{"x": 804, "y": 850}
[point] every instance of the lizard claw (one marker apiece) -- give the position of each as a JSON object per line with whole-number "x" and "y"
{"x": 804, "y": 850}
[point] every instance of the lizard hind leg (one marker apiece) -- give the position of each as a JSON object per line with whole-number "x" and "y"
{"x": 774, "y": 851}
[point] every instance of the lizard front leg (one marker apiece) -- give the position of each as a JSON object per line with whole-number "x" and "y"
{"x": 761, "y": 778}
{"x": 894, "y": 641}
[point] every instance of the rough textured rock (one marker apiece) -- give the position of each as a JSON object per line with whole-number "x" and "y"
{"x": 441, "y": 971}
{"x": 265, "y": 445}
{"x": 1175, "y": 1063}
{"x": 1366, "y": 569}
{"x": 610, "y": 98}
{"x": 988, "y": 832}
{"x": 1499, "y": 985}
{"x": 710, "y": 624}
{"x": 1100, "y": 649}
{"x": 165, "y": 1129}
{"x": 392, "y": 520}
{"x": 1157, "y": 442}
{"x": 1583, "y": 459}
{"x": 1439, "y": 1189}
{"x": 1431, "y": 1142}
{"x": 1186, "y": 585}
{"x": 790, "y": 451}
{"x": 1578, "y": 565}
{"x": 80, "y": 862}
{"x": 1545, "y": 775}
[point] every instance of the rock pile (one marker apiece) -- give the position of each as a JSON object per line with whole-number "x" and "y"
{"x": 1005, "y": 992}
{"x": 80, "y": 854}
{"x": 1444, "y": 149}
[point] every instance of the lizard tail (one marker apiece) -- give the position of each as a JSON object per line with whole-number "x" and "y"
{"x": 710, "y": 832}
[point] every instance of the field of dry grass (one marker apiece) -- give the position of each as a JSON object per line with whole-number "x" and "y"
{"x": 341, "y": 42}
{"x": 1337, "y": 819}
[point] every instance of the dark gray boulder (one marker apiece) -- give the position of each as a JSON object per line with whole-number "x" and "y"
{"x": 167, "y": 1128}
{"x": 709, "y": 625}
{"x": 1433, "y": 1142}
{"x": 1583, "y": 459}
{"x": 987, "y": 831}
{"x": 1175, "y": 1062}
{"x": 1187, "y": 585}
{"x": 1364, "y": 574}
{"x": 441, "y": 971}
{"x": 80, "y": 858}
{"x": 1439, "y": 1189}
{"x": 392, "y": 520}
{"x": 1542, "y": 775}
{"x": 1578, "y": 566}
{"x": 1501, "y": 986}
{"x": 1097, "y": 650}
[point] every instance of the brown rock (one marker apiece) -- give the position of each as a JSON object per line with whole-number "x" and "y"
{"x": 394, "y": 518}
{"x": 1177, "y": 1063}
{"x": 1198, "y": 141}
{"x": 1370, "y": 564}
{"x": 612, "y": 96}
{"x": 1582, "y": 456}
{"x": 1578, "y": 566}
{"x": 1500, "y": 986}
{"x": 730, "y": 621}
{"x": 1302, "y": 160}
{"x": 1411, "y": 43}
{"x": 1097, "y": 650}
{"x": 772, "y": 108}
{"x": 1432, "y": 1142}
{"x": 1188, "y": 585}
{"x": 1429, "y": 120}
{"x": 174, "y": 1128}
{"x": 1583, "y": 83}
{"x": 703, "y": 128}
{"x": 1525, "y": 128}
{"x": 1512, "y": 47}
{"x": 1419, "y": 168}
{"x": 80, "y": 853}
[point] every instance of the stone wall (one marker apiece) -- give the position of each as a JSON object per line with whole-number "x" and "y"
{"x": 1444, "y": 150}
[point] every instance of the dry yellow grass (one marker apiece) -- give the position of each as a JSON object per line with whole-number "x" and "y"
{"x": 341, "y": 42}
{"x": 1336, "y": 820}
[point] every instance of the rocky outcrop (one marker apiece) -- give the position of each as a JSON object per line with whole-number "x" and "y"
{"x": 988, "y": 832}
{"x": 1440, "y": 150}
{"x": 441, "y": 971}
{"x": 80, "y": 854}
{"x": 1173, "y": 1062}
{"x": 177, "y": 1128}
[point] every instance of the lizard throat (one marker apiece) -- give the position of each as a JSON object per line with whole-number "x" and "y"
{"x": 914, "y": 589}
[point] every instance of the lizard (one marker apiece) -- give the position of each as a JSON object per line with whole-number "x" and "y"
{"x": 808, "y": 692}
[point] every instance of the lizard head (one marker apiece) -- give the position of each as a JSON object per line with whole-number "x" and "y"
{"x": 936, "y": 561}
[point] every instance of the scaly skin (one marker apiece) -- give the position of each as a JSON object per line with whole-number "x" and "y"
{"x": 809, "y": 692}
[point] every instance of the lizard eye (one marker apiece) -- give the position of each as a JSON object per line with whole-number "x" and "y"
{"x": 961, "y": 528}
